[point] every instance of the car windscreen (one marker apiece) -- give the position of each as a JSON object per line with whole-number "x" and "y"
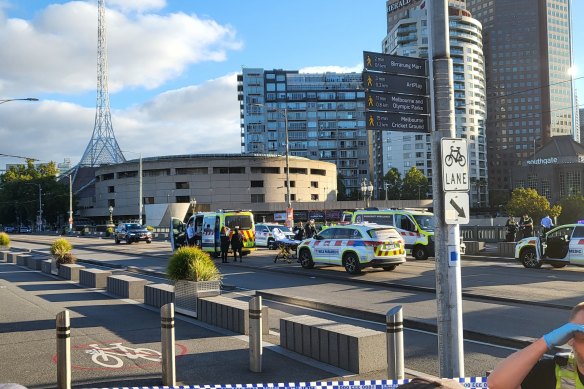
{"x": 281, "y": 228}
{"x": 383, "y": 234}
{"x": 243, "y": 222}
{"x": 425, "y": 222}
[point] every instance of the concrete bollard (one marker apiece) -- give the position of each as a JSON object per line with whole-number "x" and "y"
{"x": 168, "y": 347}
{"x": 255, "y": 334}
{"x": 395, "y": 343}
{"x": 63, "y": 350}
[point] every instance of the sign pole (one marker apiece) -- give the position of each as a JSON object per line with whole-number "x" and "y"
{"x": 448, "y": 284}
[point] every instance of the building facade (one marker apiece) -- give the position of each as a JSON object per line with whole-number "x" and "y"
{"x": 408, "y": 36}
{"x": 527, "y": 46}
{"x": 218, "y": 181}
{"x": 556, "y": 170}
{"x": 322, "y": 115}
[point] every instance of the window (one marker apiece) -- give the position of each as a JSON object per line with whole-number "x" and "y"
{"x": 148, "y": 200}
{"x": 181, "y": 185}
{"x": 111, "y": 189}
{"x": 318, "y": 172}
{"x": 191, "y": 170}
{"x": 314, "y": 197}
{"x": 229, "y": 170}
{"x": 292, "y": 184}
{"x": 111, "y": 202}
{"x": 265, "y": 170}
{"x": 156, "y": 172}
{"x": 314, "y": 184}
{"x": 128, "y": 174}
{"x": 183, "y": 199}
{"x": 296, "y": 170}
{"x": 258, "y": 198}
{"x": 257, "y": 184}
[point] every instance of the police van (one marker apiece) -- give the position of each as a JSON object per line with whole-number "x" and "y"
{"x": 208, "y": 226}
{"x": 415, "y": 226}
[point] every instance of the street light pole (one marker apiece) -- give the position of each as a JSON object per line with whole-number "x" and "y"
{"x": 2, "y": 101}
{"x": 70, "y": 204}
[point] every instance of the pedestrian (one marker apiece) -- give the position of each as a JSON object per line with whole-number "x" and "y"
{"x": 526, "y": 225}
{"x": 224, "y": 243}
{"x": 547, "y": 224}
{"x": 511, "y": 226}
{"x": 526, "y": 368}
{"x": 299, "y": 231}
{"x": 190, "y": 234}
{"x": 237, "y": 244}
{"x": 309, "y": 229}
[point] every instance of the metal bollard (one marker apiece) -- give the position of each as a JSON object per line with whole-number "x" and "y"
{"x": 63, "y": 350}
{"x": 255, "y": 334}
{"x": 168, "y": 347}
{"x": 395, "y": 343}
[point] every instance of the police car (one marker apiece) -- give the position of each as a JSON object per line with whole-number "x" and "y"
{"x": 561, "y": 246}
{"x": 354, "y": 246}
{"x": 264, "y": 236}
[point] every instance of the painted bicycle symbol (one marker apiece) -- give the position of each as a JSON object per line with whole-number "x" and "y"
{"x": 111, "y": 356}
{"x": 455, "y": 156}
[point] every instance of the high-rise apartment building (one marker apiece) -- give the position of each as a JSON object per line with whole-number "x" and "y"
{"x": 407, "y": 35}
{"x": 527, "y": 46}
{"x": 324, "y": 115}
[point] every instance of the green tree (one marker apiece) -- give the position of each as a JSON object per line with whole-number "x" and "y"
{"x": 572, "y": 209}
{"x": 528, "y": 201}
{"x": 19, "y": 194}
{"x": 394, "y": 184}
{"x": 415, "y": 185}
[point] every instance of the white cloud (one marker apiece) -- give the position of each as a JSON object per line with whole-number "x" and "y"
{"x": 56, "y": 51}
{"x": 192, "y": 120}
{"x": 137, "y": 5}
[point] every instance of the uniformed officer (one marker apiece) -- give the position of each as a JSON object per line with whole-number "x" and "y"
{"x": 524, "y": 368}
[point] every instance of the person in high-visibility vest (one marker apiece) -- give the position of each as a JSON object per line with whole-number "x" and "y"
{"x": 525, "y": 369}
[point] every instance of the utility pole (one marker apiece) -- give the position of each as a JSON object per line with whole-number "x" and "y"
{"x": 448, "y": 285}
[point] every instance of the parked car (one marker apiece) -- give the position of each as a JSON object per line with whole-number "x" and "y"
{"x": 10, "y": 229}
{"x": 264, "y": 236}
{"x": 354, "y": 246}
{"x": 24, "y": 229}
{"x": 132, "y": 232}
{"x": 561, "y": 246}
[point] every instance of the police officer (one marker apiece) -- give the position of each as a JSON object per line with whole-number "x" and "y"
{"x": 524, "y": 368}
{"x": 511, "y": 226}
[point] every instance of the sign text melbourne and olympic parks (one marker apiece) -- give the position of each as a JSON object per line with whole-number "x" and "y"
{"x": 393, "y": 102}
{"x": 395, "y": 64}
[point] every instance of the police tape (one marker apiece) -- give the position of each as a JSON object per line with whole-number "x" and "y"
{"x": 467, "y": 382}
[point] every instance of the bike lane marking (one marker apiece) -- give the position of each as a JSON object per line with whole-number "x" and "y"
{"x": 112, "y": 355}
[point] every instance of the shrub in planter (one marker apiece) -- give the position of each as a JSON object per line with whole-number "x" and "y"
{"x": 192, "y": 264}
{"x": 4, "y": 240}
{"x": 150, "y": 228}
{"x": 109, "y": 231}
{"x": 61, "y": 251}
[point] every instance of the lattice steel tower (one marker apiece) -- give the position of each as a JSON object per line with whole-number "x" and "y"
{"x": 103, "y": 149}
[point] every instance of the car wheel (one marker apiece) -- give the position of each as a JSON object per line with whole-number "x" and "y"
{"x": 558, "y": 265}
{"x": 419, "y": 253}
{"x": 271, "y": 245}
{"x": 351, "y": 263}
{"x": 117, "y": 240}
{"x": 128, "y": 241}
{"x": 148, "y": 241}
{"x": 528, "y": 258}
{"x": 389, "y": 268}
{"x": 306, "y": 259}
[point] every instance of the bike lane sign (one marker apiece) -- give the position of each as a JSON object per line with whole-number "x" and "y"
{"x": 454, "y": 164}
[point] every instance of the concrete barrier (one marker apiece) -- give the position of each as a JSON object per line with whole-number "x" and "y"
{"x": 158, "y": 295}
{"x": 4, "y": 255}
{"x": 474, "y": 247}
{"x": 349, "y": 347}
{"x": 22, "y": 258}
{"x": 12, "y": 256}
{"x": 94, "y": 278}
{"x": 229, "y": 313}
{"x": 506, "y": 249}
{"x": 46, "y": 266}
{"x": 34, "y": 262}
{"x": 70, "y": 271}
{"x": 126, "y": 286}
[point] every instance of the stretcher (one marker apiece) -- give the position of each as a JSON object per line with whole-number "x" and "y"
{"x": 286, "y": 249}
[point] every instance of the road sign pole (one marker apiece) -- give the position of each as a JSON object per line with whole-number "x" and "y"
{"x": 448, "y": 290}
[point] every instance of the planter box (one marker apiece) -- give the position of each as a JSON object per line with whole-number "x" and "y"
{"x": 186, "y": 294}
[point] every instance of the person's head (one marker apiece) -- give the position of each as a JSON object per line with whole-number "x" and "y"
{"x": 312, "y": 221}
{"x": 577, "y": 342}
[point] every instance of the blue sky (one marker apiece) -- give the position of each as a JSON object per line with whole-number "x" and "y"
{"x": 172, "y": 66}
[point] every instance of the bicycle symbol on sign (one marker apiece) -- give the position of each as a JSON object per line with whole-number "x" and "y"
{"x": 455, "y": 156}
{"x": 111, "y": 356}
